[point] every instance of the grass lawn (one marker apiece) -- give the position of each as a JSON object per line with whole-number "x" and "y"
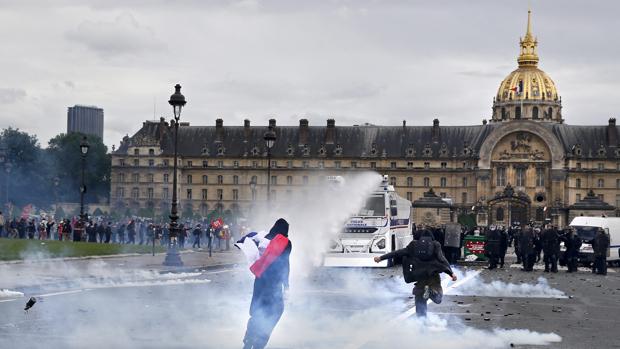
{"x": 12, "y": 249}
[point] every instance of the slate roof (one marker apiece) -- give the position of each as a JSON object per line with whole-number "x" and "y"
{"x": 591, "y": 202}
{"x": 366, "y": 141}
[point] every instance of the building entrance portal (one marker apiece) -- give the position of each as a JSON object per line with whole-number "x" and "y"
{"x": 509, "y": 208}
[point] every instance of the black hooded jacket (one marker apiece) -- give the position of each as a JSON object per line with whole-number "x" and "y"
{"x": 439, "y": 264}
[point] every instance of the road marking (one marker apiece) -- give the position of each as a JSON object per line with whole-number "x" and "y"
{"x": 60, "y": 293}
{"x": 370, "y": 335}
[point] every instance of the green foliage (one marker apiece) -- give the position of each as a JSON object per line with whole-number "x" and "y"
{"x": 468, "y": 220}
{"x": 43, "y": 176}
{"x": 66, "y": 165}
{"x": 26, "y": 179}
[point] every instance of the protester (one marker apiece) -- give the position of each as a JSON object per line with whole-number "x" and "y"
{"x": 526, "y": 246}
{"x": 600, "y": 246}
{"x": 197, "y": 232}
{"x": 271, "y": 281}
{"x": 423, "y": 261}
{"x": 492, "y": 247}
{"x": 573, "y": 244}
{"x": 551, "y": 248}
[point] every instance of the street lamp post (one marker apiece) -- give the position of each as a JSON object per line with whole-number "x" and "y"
{"x": 3, "y": 161}
{"x": 253, "y": 190}
{"x": 173, "y": 258}
{"x": 270, "y": 140}
{"x": 83, "y": 150}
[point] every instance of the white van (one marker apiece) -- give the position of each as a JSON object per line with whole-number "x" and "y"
{"x": 586, "y": 228}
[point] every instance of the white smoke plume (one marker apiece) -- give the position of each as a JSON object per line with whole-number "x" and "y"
{"x": 4, "y": 293}
{"x": 353, "y": 308}
{"x": 318, "y": 217}
{"x": 496, "y": 288}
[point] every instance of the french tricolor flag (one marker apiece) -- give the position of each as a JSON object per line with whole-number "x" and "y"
{"x": 519, "y": 88}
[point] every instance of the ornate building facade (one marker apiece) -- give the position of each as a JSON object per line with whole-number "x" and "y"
{"x": 524, "y": 164}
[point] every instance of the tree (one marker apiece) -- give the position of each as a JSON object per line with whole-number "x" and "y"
{"x": 66, "y": 163}
{"x": 26, "y": 179}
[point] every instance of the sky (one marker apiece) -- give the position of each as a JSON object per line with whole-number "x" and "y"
{"x": 357, "y": 61}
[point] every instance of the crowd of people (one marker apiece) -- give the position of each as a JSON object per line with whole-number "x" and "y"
{"x": 532, "y": 244}
{"x": 215, "y": 234}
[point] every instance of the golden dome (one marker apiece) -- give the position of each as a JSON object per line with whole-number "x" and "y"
{"x": 527, "y": 82}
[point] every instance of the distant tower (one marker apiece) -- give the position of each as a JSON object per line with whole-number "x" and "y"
{"x": 85, "y": 119}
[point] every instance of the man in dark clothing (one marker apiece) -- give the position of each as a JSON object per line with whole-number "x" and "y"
{"x": 91, "y": 231}
{"x": 108, "y": 232}
{"x": 551, "y": 247}
{"x": 269, "y": 287}
{"x": 131, "y": 232}
{"x": 517, "y": 240}
{"x": 600, "y": 246}
{"x": 492, "y": 248}
{"x": 100, "y": 232}
{"x": 526, "y": 247}
{"x": 196, "y": 234}
{"x": 77, "y": 231}
{"x": 428, "y": 282}
{"x": 503, "y": 246}
{"x": 21, "y": 228}
{"x": 121, "y": 234}
{"x": 573, "y": 244}
{"x": 538, "y": 243}
{"x": 31, "y": 229}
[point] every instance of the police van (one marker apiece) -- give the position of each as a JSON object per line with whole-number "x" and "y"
{"x": 383, "y": 225}
{"x": 586, "y": 228}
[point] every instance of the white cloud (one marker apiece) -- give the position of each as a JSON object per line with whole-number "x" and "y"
{"x": 123, "y": 36}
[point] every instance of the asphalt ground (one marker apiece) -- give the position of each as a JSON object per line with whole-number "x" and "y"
{"x": 328, "y": 308}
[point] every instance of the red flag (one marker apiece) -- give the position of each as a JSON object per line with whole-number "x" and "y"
{"x": 26, "y": 211}
{"x": 218, "y": 223}
{"x": 272, "y": 252}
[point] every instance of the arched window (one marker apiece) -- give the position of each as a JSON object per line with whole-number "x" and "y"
{"x": 503, "y": 113}
{"x": 427, "y": 182}
{"x": 578, "y": 182}
{"x": 518, "y": 113}
{"x": 443, "y": 182}
{"x": 601, "y": 182}
{"x": 550, "y": 114}
{"x": 220, "y": 179}
{"x": 410, "y": 181}
{"x": 393, "y": 181}
{"x": 535, "y": 113}
{"x": 499, "y": 214}
{"x": 235, "y": 179}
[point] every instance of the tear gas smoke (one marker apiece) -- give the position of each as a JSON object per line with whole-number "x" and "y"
{"x": 4, "y": 293}
{"x": 328, "y": 308}
{"x": 497, "y": 288}
{"x": 318, "y": 217}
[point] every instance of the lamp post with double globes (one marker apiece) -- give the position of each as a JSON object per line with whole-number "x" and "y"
{"x": 83, "y": 151}
{"x": 173, "y": 258}
{"x": 270, "y": 140}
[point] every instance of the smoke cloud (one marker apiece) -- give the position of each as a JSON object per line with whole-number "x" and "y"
{"x": 496, "y": 288}
{"x": 327, "y": 308}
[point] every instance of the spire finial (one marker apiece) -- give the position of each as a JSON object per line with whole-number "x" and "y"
{"x": 528, "y": 56}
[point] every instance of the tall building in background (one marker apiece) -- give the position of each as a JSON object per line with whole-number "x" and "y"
{"x": 85, "y": 119}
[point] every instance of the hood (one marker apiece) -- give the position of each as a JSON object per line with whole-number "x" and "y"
{"x": 280, "y": 227}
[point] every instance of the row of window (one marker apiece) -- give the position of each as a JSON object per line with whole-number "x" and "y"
{"x": 290, "y": 164}
{"x": 520, "y": 178}
{"x": 600, "y": 183}
{"x": 189, "y": 194}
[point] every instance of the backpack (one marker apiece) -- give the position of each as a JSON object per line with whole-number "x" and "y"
{"x": 424, "y": 248}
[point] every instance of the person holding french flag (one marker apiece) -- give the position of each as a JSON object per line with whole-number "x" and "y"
{"x": 269, "y": 258}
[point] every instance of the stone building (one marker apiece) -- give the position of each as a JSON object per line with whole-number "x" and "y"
{"x": 524, "y": 164}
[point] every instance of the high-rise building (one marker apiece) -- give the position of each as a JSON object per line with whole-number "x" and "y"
{"x": 85, "y": 119}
